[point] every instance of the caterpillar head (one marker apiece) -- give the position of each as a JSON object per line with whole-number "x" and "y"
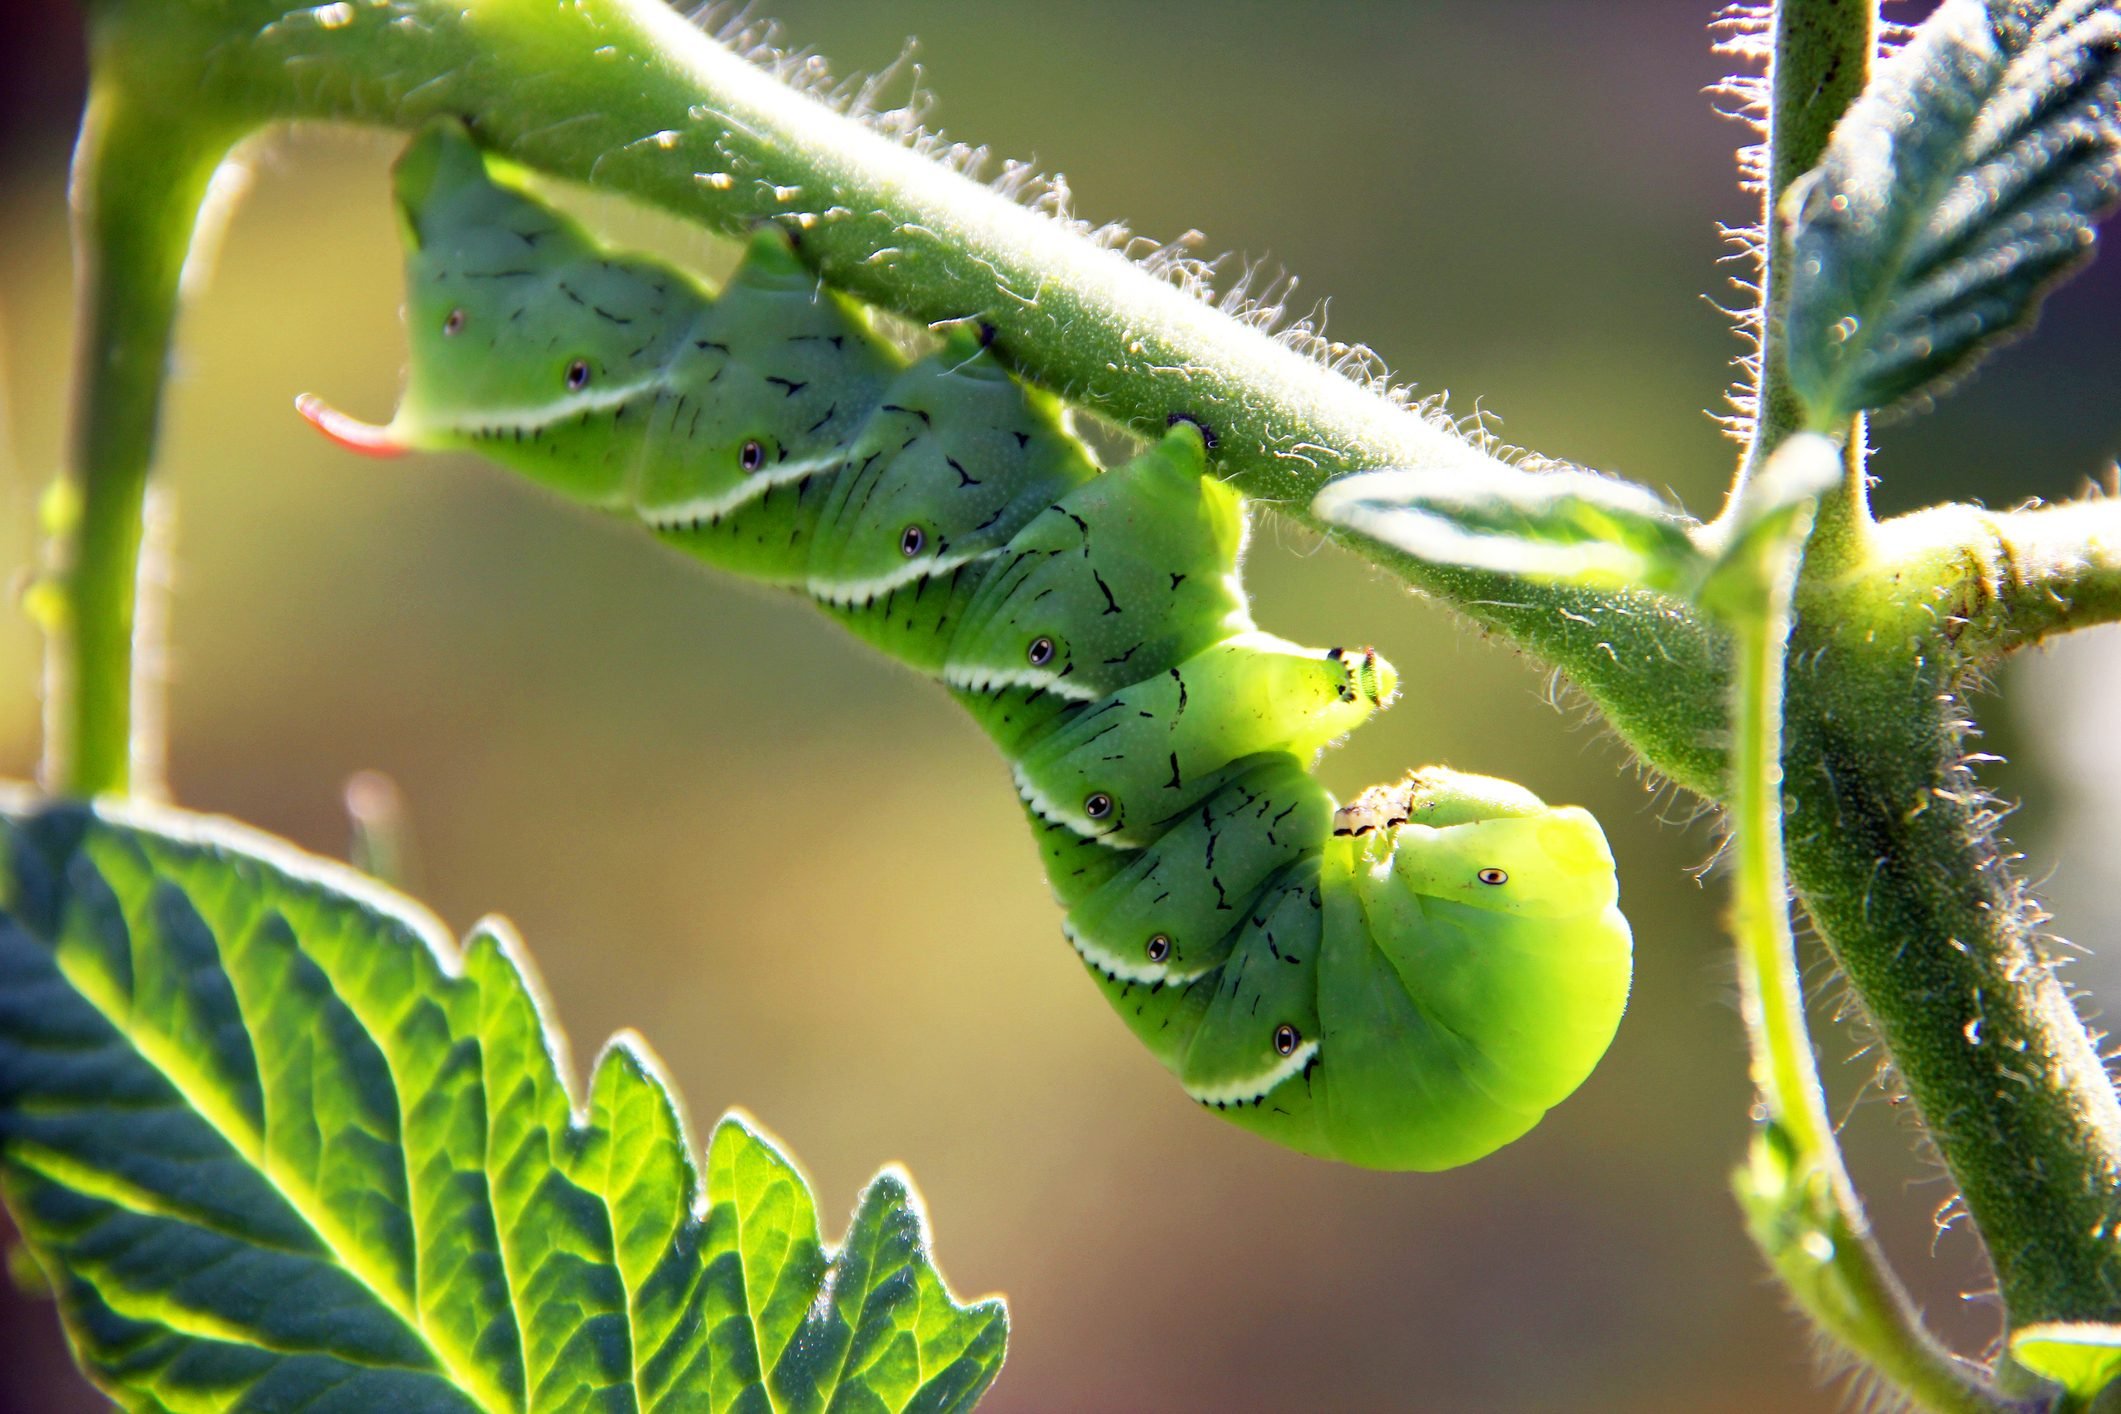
{"x": 1489, "y": 923}
{"x": 1487, "y": 843}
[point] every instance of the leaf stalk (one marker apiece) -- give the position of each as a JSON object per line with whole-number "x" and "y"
{"x": 1802, "y": 1208}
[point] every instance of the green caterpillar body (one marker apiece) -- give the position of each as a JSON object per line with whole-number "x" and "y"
{"x": 1407, "y": 983}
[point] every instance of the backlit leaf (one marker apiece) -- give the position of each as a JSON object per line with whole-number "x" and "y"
{"x": 282, "y": 1145}
{"x": 1962, "y": 185}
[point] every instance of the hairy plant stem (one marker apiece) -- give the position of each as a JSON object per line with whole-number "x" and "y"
{"x": 1822, "y": 60}
{"x": 1888, "y": 845}
{"x": 2004, "y": 580}
{"x": 1892, "y": 846}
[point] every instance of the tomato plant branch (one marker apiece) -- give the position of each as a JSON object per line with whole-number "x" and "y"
{"x": 1892, "y": 844}
{"x": 1894, "y": 850}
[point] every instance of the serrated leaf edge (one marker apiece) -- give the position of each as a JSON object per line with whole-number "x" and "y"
{"x": 206, "y": 831}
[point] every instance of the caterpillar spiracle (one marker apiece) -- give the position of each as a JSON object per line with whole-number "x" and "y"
{"x": 1406, "y": 983}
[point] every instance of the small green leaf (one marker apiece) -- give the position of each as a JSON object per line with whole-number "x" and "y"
{"x": 2083, "y": 1357}
{"x": 287, "y": 1147}
{"x": 1963, "y": 184}
{"x": 1559, "y": 526}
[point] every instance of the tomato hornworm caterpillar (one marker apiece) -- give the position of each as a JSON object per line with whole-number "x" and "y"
{"x": 1406, "y": 983}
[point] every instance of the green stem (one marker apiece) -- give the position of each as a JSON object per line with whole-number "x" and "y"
{"x": 1892, "y": 845}
{"x": 139, "y": 182}
{"x": 666, "y": 115}
{"x": 1891, "y": 842}
{"x": 1822, "y": 60}
{"x": 2001, "y": 581}
{"x": 1843, "y": 531}
{"x": 1802, "y": 1208}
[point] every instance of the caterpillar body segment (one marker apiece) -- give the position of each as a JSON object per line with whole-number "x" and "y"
{"x": 1170, "y": 914}
{"x": 1120, "y": 768}
{"x": 1135, "y": 568}
{"x": 1406, "y": 983}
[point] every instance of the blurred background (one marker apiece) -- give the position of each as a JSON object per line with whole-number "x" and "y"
{"x": 802, "y": 874}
